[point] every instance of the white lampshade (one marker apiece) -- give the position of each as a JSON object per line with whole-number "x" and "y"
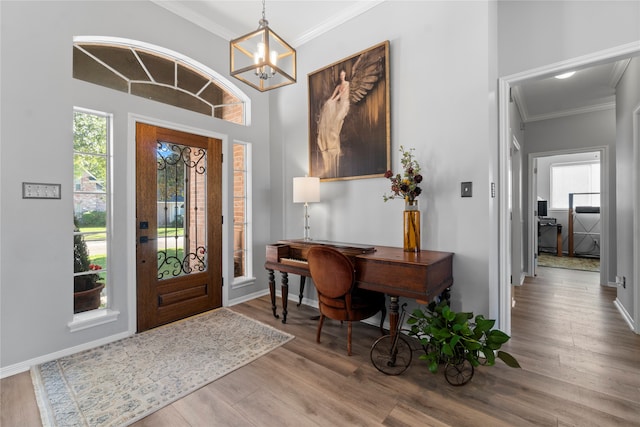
{"x": 306, "y": 189}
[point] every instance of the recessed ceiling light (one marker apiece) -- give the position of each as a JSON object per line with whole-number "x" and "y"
{"x": 565, "y": 75}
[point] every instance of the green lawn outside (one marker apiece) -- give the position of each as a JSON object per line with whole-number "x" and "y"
{"x": 101, "y": 234}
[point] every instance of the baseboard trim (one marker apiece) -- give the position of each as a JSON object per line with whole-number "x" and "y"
{"x": 625, "y": 315}
{"x": 247, "y": 297}
{"x": 17, "y": 368}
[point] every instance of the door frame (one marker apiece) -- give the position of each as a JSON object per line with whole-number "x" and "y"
{"x": 504, "y": 142}
{"x": 131, "y": 208}
{"x": 605, "y": 209}
{"x": 517, "y": 236}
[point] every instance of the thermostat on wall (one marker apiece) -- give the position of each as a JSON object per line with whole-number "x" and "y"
{"x": 35, "y": 190}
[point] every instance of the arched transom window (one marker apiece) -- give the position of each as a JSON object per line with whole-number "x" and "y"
{"x": 159, "y": 74}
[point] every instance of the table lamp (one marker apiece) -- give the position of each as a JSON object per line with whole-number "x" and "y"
{"x": 306, "y": 190}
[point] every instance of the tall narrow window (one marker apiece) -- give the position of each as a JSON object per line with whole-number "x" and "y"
{"x": 91, "y": 209}
{"x": 579, "y": 177}
{"x": 241, "y": 211}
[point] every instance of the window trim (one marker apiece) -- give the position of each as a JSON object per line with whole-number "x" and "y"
{"x": 248, "y": 278}
{"x": 100, "y": 316}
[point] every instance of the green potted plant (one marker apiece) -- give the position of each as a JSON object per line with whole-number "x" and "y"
{"x": 86, "y": 287}
{"x": 451, "y": 339}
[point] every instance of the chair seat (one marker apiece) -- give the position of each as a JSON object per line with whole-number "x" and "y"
{"x": 334, "y": 276}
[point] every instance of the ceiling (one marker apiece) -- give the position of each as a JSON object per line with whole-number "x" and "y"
{"x": 298, "y": 22}
{"x": 589, "y": 89}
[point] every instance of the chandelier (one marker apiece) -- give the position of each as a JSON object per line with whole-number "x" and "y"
{"x": 262, "y": 59}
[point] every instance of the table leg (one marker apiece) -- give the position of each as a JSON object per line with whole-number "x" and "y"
{"x": 272, "y": 292}
{"x": 559, "y": 241}
{"x": 393, "y": 314}
{"x": 302, "y": 282}
{"x": 285, "y": 295}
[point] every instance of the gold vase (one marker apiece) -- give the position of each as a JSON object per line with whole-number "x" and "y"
{"x": 411, "y": 226}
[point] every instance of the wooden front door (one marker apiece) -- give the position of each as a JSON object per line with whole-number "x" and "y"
{"x": 179, "y": 225}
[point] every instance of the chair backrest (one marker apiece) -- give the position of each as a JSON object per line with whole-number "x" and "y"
{"x": 332, "y": 272}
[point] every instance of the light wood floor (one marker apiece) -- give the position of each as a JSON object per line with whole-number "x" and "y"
{"x": 581, "y": 367}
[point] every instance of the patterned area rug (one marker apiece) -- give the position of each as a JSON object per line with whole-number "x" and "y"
{"x": 571, "y": 263}
{"x": 122, "y": 382}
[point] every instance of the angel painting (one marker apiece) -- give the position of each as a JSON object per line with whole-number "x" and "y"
{"x": 349, "y": 117}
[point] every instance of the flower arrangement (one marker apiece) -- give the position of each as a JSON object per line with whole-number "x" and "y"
{"x": 405, "y": 187}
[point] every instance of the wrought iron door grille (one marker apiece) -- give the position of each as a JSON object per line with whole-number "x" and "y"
{"x": 182, "y": 209}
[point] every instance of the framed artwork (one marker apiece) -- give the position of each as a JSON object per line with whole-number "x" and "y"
{"x": 349, "y": 117}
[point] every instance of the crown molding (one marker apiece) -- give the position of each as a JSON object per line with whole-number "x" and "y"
{"x": 618, "y": 70}
{"x": 571, "y": 112}
{"x": 346, "y": 15}
{"x": 198, "y": 19}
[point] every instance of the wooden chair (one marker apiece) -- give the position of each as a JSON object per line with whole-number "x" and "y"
{"x": 334, "y": 277}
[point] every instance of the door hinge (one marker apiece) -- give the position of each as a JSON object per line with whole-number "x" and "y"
{"x": 221, "y": 157}
{"x": 222, "y": 281}
{"x": 223, "y": 219}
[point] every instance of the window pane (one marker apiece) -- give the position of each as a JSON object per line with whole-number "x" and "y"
{"x": 575, "y": 178}
{"x": 238, "y": 183}
{"x": 90, "y": 237}
{"x": 182, "y": 210}
{"x": 90, "y": 210}
{"x": 239, "y": 210}
{"x": 89, "y": 173}
{"x": 89, "y": 133}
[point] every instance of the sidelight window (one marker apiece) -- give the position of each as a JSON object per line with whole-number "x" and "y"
{"x": 91, "y": 209}
{"x": 241, "y": 211}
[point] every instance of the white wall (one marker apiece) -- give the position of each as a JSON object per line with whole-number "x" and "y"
{"x": 627, "y": 103}
{"x": 538, "y": 33}
{"x": 438, "y": 107}
{"x": 38, "y": 96}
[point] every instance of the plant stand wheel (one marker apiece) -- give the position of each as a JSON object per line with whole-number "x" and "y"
{"x": 458, "y": 373}
{"x": 391, "y": 358}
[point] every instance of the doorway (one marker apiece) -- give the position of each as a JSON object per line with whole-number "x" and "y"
{"x": 178, "y": 225}
{"x": 566, "y": 218}
{"x": 503, "y": 287}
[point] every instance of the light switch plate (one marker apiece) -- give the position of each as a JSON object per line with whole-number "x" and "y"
{"x": 465, "y": 189}
{"x": 36, "y": 190}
